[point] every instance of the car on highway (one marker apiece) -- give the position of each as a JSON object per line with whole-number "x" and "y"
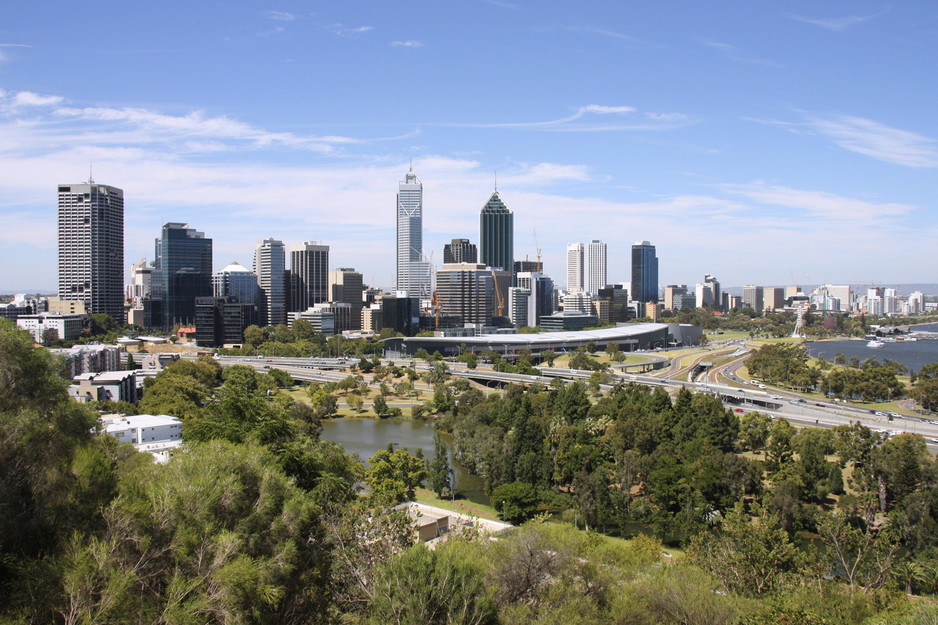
{"x": 739, "y": 410}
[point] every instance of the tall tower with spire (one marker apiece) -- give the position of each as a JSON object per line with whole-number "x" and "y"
{"x": 497, "y": 234}
{"x": 413, "y": 272}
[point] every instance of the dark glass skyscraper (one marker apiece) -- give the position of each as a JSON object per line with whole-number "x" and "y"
{"x": 644, "y": 272}
{"x": 497, "y": 234}
{"x": 91, "y": 247}
{"x": 182, "y": 272}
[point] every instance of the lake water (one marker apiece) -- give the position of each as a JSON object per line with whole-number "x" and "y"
{"x": 367, "y": 436}
{"x": 914, "y": 354}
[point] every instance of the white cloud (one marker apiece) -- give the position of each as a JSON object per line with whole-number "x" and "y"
{"x": 879, "y": 141}
{"x": 280, "y": 16}
{"x": 28, "y": 98}
{"x": 410, "y": 43}
{"x": 344, "y": 31}
{"x": 838, "y": 23}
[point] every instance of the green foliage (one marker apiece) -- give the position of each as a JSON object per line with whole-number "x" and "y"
{"x": 184, "y": 541}
{"x": 392, "y": 475}
{"x": 516, "y": 502}
{"x": 439, "y": 472}
{"x": 444, "y": 586}
{"x": 750, "y": 556}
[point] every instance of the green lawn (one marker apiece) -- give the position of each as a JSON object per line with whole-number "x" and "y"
{"x": 462, "y": 505}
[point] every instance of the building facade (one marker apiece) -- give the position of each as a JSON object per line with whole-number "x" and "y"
{"x": 466, "y": 291}
{"x": 460, "y": 251}
{"x": 309, "y": 275}
{"x": 347, "y": 286}
{"x": 594, "y": 267}
{"x": 270, "y": 266}
{"x": 574, "y": 267}
{"x": 182, "y": 272}
{"x": 497, "y": 234}
{"x": 413, "y": 272}
{"x": 91, "y": 247}
{"x": 644, "y": 272}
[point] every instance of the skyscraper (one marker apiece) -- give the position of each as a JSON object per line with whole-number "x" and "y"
{"x": 594, "y": 267}
{"x": 574, "y": 267}
{"x": 497, "y": 234}
{"x": 182, "y": 272}
{"x": 644, "y": 272}
{"x": 270, "y": 267}
{"x": 346, "y": 286}
{"x": 309, "y": 275}
{"x": 413, "y": 272}
{"x": 460, "y": 251}
{"x": 91, "y": 247}
{"x": 716, "y": 295}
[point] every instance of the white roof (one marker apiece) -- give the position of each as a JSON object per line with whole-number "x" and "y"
{"x": 117, "y": 424}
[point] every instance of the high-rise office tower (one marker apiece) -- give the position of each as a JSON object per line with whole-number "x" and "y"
{"x": 539, "y": 291}
{"x": 91, "y": 247}
{"x": 309, "y": 275}
{"x": 753, "y": 297}
{"x": 716, "y": 295}
{"x": 346, "y": 286}
{"x": 466, "y": 291}
{"x": 413, "y": 272}
{"x": 644, "y": 272}
{"x": 497, "y": 234}
{"x": 182, "y": 272}
{"x": 574, "y": 267}
{"x": 270, "y": 266}
{"x": 460, "y": 251}
{"x": 594, "y": 267}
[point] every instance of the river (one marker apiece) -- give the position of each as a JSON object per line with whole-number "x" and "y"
{"x": 366, "y": 436}
{"x": 912, "y": 354}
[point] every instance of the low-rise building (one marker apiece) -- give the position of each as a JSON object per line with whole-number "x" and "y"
{"x": 106, "y": 386}
{"x": 156, "y": 434}
{"x": 66, "y": 327}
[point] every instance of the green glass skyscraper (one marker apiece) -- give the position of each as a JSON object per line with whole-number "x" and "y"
{"x": 497, "y": 234}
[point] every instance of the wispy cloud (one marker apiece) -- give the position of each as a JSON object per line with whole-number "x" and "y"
{"x": 595, "y": 118}
{"x": 737, "y": 54}
{"x": 611, "y": 34}
{"x": 410, "y": 43}
{"x": 878, "y": 141}
{"x": 820, "y": 205}
{"x": 280, "y": 16}
{"x": 838, "y": 23}
{"x": 346, "y": 31}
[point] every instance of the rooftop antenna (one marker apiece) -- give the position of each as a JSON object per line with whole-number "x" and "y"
{"x": 496, "y": 181}
{"x": 90, "y": 172}
{"x": 412, "y": 165}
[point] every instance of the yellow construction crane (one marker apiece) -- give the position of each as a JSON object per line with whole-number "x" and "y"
{"x": 498, "y": 296}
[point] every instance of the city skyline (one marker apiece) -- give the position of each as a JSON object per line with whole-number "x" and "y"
{"x": 759, "y": 144}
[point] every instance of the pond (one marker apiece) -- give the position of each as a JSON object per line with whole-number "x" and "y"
{"x": 366, "y": 436}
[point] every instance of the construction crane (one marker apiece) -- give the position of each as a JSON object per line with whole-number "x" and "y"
{"x": 537, "y": 248}
{"x": 498, "y": 296}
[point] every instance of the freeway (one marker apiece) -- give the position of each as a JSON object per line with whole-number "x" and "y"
{"x": 742, "y": 398}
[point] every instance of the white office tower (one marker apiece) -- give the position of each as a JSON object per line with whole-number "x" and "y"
{"x": 270, "y": 262}
{"x": 518, "y": 300}
{"x": 309, "y": 275}
{"x": 574, "y": 267}
{"x": 916, "y": 303}
{"x": 540, "y": 289}
{"x": 703, "y": 295}
{"x": 578, "y": 302}
{"x": 594, "y": 267}
{"x": 890, "y": 302}
{"x": 141, "y": 282}
{"x": 91, "y": 247}
{"x": 413, "y": 271}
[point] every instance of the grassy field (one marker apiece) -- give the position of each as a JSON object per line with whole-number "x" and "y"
{"x": 462, "y": 505}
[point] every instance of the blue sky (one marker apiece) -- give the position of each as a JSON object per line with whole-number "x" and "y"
{"x": 754, "y": 141}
